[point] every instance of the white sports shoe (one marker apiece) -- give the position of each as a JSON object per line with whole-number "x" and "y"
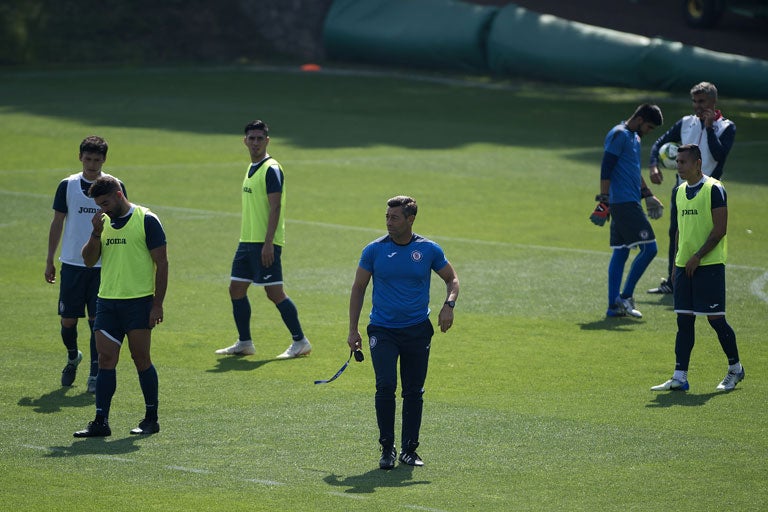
{"x": 730, "y": 380}
{"x": 628, "y": 305}
{"x": 240, "y": 348}
{"x": 297, "y": 348}
{"x": 672, "y": 384}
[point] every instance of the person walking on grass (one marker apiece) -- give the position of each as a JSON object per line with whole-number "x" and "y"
{"x": 621, "y": 189}
{"x": 131, "y": 243}
{"x": 401, "y": 265}
{"x": 79, "y": 284}
{"x": 701, "y": 207}
{"x": 257, "y": 260}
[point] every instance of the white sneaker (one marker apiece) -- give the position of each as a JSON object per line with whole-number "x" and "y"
{"x": 730, "y": 380}
{"x": 297, "y": 348}
{"x": 628, "y": 305}
{"x": 240, "y": 348}
{"x": 672, "y": 384}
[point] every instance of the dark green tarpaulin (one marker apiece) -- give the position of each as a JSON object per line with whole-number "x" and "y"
{"x": 513, "y": 41}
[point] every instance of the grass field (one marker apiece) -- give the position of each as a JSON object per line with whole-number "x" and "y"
{"x": 535, "y": 401}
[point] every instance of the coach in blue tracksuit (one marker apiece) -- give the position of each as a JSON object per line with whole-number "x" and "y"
{"x": 401, "y": 264}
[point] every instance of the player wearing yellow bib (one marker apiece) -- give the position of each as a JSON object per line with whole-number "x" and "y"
{"x": 700, "y": 205}
{"x": 262, "y": 237}
{"x": 134, "y": 278}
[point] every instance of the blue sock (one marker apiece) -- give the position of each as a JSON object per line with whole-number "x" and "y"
{"x": 291, "y": 318}
{"x": 639, "y": 264}
{"x": 684, "y": 341}
{"x": 727, "y": 339}
{"x": 69, "y": 337}
{"x": 149, "y": 387}
{"x": 615, "y": 273}
{"x": 106, "y": 384}
{"x": 241, "y": 310}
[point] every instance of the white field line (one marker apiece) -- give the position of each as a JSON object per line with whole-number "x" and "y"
{"x": 758, "y": 287}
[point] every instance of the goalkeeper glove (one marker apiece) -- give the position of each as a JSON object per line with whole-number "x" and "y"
{"x": 602, "y": 211}
{"x": 654, "y": 207}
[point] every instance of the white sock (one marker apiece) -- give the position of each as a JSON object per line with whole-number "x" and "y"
{"x": 680, "y": 375}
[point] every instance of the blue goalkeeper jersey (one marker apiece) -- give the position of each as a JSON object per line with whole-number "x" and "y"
{"x": 401, "y": 279}
{"x": 625, "y": 176}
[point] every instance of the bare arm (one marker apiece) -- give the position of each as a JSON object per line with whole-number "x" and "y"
{"x": 54, "y": 237}
{"x": 268, "y": 251}
{"x": 92, "y": 249}
{"x": 445, "y": 318}
{"x": 160, "y": 257}
{"x": 356, "y": 298}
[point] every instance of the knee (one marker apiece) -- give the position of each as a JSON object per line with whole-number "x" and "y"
{"x": 107, "y": 361}
{"x": 68, "y": 323}
{"x": 142, "y": 361}
{"x": 413, "y": 393}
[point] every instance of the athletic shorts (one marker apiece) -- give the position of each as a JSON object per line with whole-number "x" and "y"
{"x": 79, "y": 287}
{"x": 629, "y": 226}
{"x": 247, "y": 266}
{"x": 116, "y": 317}
{"x": 702, "y": 294}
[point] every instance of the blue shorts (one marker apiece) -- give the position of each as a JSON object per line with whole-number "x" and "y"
{"x": 629, "y": 226}
{"x": 246, "y": 266}
{"x": 702, "y": 294}
{"x": 116, "y": 317}
{"x": 79, "y": 288}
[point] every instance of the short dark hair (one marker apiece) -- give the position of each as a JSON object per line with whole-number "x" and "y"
{"x": 407, "y": 203}
{"x": 690, "y": 148}
{"x": 94, "y": 144}
{"x": 258, "y": 124}
{"x": 104, "y": 185}
{"x": 650, "y": 113}
{"x": 707, "y": 88}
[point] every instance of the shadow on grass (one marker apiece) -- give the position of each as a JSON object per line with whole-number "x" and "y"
{"x": 97, "y": 446}
{"x": 400, "y": 476}
{"x": 681, "y": 398}
{"x": 238, "y": 364}
{"x": 621, "y": 323}
{"x": 56, "y": 400}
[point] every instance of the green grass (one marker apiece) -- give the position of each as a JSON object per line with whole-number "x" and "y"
{"x": 534, "y": 400}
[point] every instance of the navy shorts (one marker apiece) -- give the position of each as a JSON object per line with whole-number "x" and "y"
{"x": 411, "y": 345}
{"x": 629, "y": 226}
{"x": 247, "y": 266}
{"x": 79, "y": 288}
{"x": 702, "y": 294}
{"x": 116, "y": 317}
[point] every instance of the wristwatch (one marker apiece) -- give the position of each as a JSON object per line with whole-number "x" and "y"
{"x": 451, "y": 303}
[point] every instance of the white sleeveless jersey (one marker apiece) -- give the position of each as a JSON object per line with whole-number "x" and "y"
{"x": 77, "y": 226}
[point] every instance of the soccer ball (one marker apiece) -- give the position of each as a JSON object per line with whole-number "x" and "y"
{"x": 668, "y": 155}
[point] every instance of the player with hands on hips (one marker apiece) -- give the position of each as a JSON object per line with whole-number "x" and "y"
{"x": 621, "y": 189}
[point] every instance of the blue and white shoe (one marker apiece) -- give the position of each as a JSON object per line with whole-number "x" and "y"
{"x": 730, "y": 380}
{"x": 672, "y": 385}
{"x": 628, "y": 305}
